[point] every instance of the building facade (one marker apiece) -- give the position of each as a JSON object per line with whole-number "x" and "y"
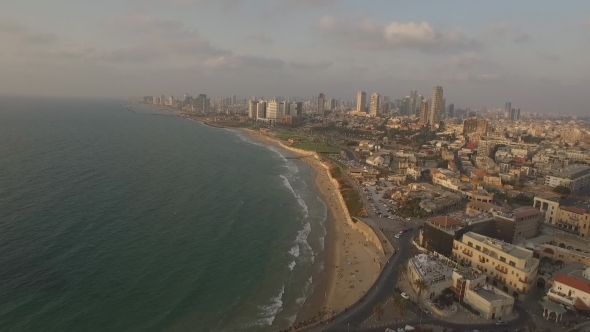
{"x": 436, "y": 105}
{"x": 509, "y": 267}
{"x": 361, "y": 101}
{"x": 374, "y": 107}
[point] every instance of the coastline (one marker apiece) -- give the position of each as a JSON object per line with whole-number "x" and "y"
{"x": 349, "y": 269}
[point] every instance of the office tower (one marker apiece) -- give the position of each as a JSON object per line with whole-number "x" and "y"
{"x": 361, "y": 101}
{"x": 443, "y": 108}
{"x": 515, "y": 114}
{"x": 424, "y": 111}
{"x": 321, "y": 103}
{"x": 233, "y": 101}
{"x": 148, "y": 99}
{"x": 261, "y": 110}
{"x": 252, "y": 108}
{"x": 507, "y": 109}
{"x": 294, "y": 109}
{"x": 413, "y": 99}
{"x": 435, "y": 105}
{"x": 275, "y": 111}
{"x": 386, "y": 105}
{"x": 156, "y": 100}
{"x": 374, "y": 109}
{"x": 406, "y": 106}
{"x": 418, "y": 105}
{"x": 331, "y": 104}
{"x": 451, "y": 111}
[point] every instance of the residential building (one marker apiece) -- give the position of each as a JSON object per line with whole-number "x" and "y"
{"x": 434, "y": 272}
{"x": 470, "y": 287}
{"x": 574, "y": 177}
{"x": 252, "y": 108}
{"x": 473, "y": 125}
{"x": 424, "y": 111}
{"x": 515, "y": 114}
{"x": 570, "y": 219}
{"x": 275, "y": 111}
{"x": 510, "y": 267}
{"x": 374, "y": 108}
{"x": 361, "y": 101}
{"x": 521, "y": 223}
{"x": 321, "y": 103}
{"x": 572, "y": 291}
{"x": 436, "y": 106}
{"x": 261, "y": 110}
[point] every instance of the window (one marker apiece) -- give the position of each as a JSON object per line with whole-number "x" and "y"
{"x": 470, "y": 244}
{"x": 512, "y": 263}
{"x": 478, "y": 248}
{"x": 502, "y": 259}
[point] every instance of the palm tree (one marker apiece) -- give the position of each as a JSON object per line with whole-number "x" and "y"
{"x": 422, "y": 286}
{"x": 378, "y": 311}
{"x": 531, "y": 326}
{"x": 399, "y": 303}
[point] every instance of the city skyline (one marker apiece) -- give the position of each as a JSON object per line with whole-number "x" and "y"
{"x": 127, "y": 48}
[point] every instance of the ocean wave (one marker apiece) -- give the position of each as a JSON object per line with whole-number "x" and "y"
{"x": 301, "y": 240}
{"x": 271, "y": 310}
{"x": 299, "y": 199}
{"x": 292, "y": 265}
{"x": 294, "y": 250}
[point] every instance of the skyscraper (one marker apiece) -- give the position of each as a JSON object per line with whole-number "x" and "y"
{"x": 261, "y": 110}
{"x": 507, "y": 109}
{"x": 515, "y": 114}
{"x": 252, "y": 108}
{"x": 424, "y": 111}
{"x": 374, "y": 109}
{"x": 443, "y": 109}
{"x": 412, "y": 103}
{"x": 321, "y": 103}
{"x": 418, "y": 108}
{"x": 435, "y": 105}
{"x": 451, "y": 111}
{"x": 361, "y": 101}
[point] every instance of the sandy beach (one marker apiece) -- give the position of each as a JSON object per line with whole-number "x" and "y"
{"x": 350, "y": 267}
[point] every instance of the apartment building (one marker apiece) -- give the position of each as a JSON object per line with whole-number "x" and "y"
{"x": 570, "y": 219}
{"x": 509, "y": 267}
{"x": 572, "y": 291}
{"x": 521, "y": 223}
{"x": 436, "y": 273}
{"x": 574, "y": 177}
{"x": 470, "y": 286}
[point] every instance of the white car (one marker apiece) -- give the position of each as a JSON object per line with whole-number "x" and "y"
{"x": 405, "y": 296}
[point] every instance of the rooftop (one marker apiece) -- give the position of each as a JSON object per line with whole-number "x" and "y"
{"x": 491, "y": 293}
{"x": 431, "y": 269}
{"x": 573, "y": 283}
{"x": 445, "y": 221}
{"x": 508, "y": 248}
{"x": 573, "y": 209}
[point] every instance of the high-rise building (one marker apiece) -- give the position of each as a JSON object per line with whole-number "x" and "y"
{"x": 261, "y": 110}
{"x": 435, "y": 105}
{"x": 424, "y": 111}
{"x": 275, "y": 111}
{"x": 374, "y": 109}
{"x": 361, "y": 101}
{"x": 156, "y": 100}
{"x": 252, "y": 107}
{"x": 418, "y": 108}
{"x": 321, "y": 103}
{"x": 443, "y": 109}
{"x": 406, "y": 106}
{"x": 413, "y": 99}
{"x": 507, "y": 109}
{"x": 233, "y": 99}
{"x": 148, "y": 99}
{"x": 451, "y": 111}
{"x": 515, "y": 114}
{"x": 294, "y": 109}
{"x": 474, "y": 125}
{"x": 331, "y": 104}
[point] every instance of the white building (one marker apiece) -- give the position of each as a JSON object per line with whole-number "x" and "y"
{"x": 574, "y": 177}
{"x": 434, "y": 272}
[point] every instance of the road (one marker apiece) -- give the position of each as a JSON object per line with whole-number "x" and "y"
{"x": 384, "y": 288}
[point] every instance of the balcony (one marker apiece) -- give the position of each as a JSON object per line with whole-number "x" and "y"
{"x": 560, "y": 297}
{"x": 525, "y": 280}
{"x": 501, "y": 269}
{"x": 482, "y": 260}
{"x": 467, "y": 253}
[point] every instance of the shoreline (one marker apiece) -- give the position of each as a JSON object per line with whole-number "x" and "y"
{"x": 349, "y": 269}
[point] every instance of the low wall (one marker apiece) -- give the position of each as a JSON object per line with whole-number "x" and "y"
{"x": 355, "y": 224}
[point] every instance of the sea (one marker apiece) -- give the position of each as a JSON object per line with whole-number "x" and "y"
{"x": 122, "y": 217}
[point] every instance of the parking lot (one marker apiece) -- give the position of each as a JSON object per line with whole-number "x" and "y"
{"x": 347, "y": 162}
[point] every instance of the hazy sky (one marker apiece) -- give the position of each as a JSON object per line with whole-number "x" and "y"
{"x": 532, "y": 53}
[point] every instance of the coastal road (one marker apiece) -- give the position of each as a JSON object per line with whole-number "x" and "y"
{"x": 384, "y": 288}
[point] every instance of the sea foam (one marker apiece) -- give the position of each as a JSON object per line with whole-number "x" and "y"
{"x": 299, "y": 199}
{"x": 271, "y": 310}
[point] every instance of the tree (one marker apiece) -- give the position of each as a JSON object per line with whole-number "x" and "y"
{"x": 378, "y": 311}
{"x": 422, "y": 286}
{"x": 399, "y": 304}
{"x": 531, "y": 326}
{"x": 562, "y": 190}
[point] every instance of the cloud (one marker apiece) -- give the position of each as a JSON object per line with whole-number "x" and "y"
{"x": 260, "y": 38}
{"x": 12, "y": 32}
{"x": 309, "y": 4}
{"x": 549, "y": 56}
{"x": 236, "y": 62}
{"x": 370, "y": 34}
{"x": 311, "y": 65}
{"x": 512, "y": 31}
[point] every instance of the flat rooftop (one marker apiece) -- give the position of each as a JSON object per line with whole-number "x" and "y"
{"x": 508, "y": 248}
{"x": 491, "y": 294}
{"x": 430, "y": 269}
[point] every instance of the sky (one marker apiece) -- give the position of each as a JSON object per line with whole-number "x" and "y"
{"x": 483, "y": 53}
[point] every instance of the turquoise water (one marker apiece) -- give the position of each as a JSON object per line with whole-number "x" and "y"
{"x": 118, "y": 221}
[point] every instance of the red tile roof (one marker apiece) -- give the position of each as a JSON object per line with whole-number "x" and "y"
{"x": 573, "y": 283}
{"x": 580, "y": 305}
{"x": 445, "y": 221}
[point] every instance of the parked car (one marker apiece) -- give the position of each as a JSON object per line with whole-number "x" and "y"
{"x": 500, "y": 322}
{"x": 424, "y": 310}
{"x": 405, "y": 296}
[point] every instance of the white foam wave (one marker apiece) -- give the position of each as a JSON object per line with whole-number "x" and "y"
{"x": 321, "y": 240}
{"x": 299, "y": 199}
{"x": 271, "y": 310}
{"x": 292, "y": 265}
{"x": 294, "y": 250}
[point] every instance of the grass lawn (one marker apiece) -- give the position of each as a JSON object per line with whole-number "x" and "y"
{"x": 316, "y": 147}
{"x": 285, "y": 135}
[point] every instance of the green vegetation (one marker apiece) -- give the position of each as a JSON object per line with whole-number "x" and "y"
{"x": 316, "y": 147}
{"x": 532, "y": 139}
{"x": 562, "y": 190}
{"x": 378, "y": 311}
{"x": 285, "y": 135}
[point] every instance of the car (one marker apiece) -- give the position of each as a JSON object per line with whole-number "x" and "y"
{"x": 396, "y": 236}
{"x": 389, "y": 330}
{"x": 500, "y": 322}
{"x": 424, "y": 310}
{"x": 408, "y": 218}
{"x": 405, "y": 296}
